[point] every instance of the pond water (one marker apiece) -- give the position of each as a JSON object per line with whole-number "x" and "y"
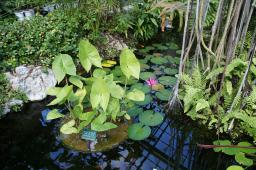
{"x": 27, "y": 141}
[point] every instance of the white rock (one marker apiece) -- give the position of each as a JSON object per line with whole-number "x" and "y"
{"x": 33, "y": 81}
{"x": 10, "y": 104}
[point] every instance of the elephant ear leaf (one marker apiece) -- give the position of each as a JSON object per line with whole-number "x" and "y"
{"x": 88, "y": 55}
{"x": 68, "y": 128}
{"x": 62, "y": 65}
{"x": 129, "y": 64}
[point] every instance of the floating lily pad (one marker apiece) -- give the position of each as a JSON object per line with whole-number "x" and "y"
{"x": 235, "y": 167}
{"x": 163, "y": 94}
{"x": 143, "y": 61}
{"x": 158, "y": 72}
{"x": 159, "y": 60}
{"x": 147, "y": 100}
{"x": 157, "y": 87}
{"x": 171, "y": 71}
{"x": 160, "y": 47}
{"x": 146, "y": 49}
{"x": 158, "y": 54}
{"x": 167, "y": 80}
{"x": 134, "y": 111}
{"x": 138, "y": 131}
{"x": 151, "y": 118}
{"x": 176, "y": 60}
{"x": 144, "y": 66}
{"x": 148, "y": 57}
{"x": 142, "y": 87}
{"x": 174, "y": 46}
{"x": 146, "y": 75}
{"x": 178, "y": 52}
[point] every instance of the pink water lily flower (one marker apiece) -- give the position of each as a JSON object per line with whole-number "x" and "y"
{"x": 151, "y": 82}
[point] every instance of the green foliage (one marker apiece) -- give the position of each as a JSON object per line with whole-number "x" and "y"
{"x": 38, "y": 40}
{"x": 7, "y": 93}
{"x": 107, "y": 100}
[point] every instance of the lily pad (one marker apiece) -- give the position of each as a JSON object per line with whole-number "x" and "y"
{"x": 158, "y": 72}
{"x": 151, "y": 118}
{"x": 163, "y": 94}
{"x": 159, "y": 60}
{"x": 160, "y": 47}
{"x": 142, "y": 87}
{"x": 178, "y": 52}
{"x": 123, "y": 78}
{"x": 148, "y": 57}
{"x": 174, "y": 46}
{"x": 235, "y": 167}
{"x": 167, "y": 80}
{"x": 134, "y": 111}
{"x": 176, "y": 60}
{"x": 143, "y": 61}
{"x": 146, "y": 101}
{"x": 144, "y": 66}
{"x": 138, "y": 131}
{"x": 157, "y": 87}
{"x": 171, "y": 71}
{"x": 146, "y": 75}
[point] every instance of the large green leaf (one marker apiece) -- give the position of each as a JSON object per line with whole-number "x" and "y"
{"x": 62, "y": 95}
{"x": 99, "y": 73}
{"x": 80, "y": 94}
{"x": 241, "y": 159}
{"x": 103, "y": 127}
{"x": 130, "y": 66}
{"x": 76, "y": 81}
{"x": 86, "y": 119}
{"x": 142, "y": 87}
{"x": 99, "y": 94}
{"x": 136, "y": 95}
{"x": 54, "y": 114}
{"x": 53, "y": 91}
{"x": 150, "y": 118}
{"x": 62, "y": 65}
{"x": 88, "y": 55}
{"x": 113, "y": 108}
{"x": 235, "y": 167}
{"x": 68, "y": 128}
{"x": 138, "y": 131}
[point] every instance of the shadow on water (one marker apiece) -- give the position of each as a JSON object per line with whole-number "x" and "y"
{"x": 29, "y": 142}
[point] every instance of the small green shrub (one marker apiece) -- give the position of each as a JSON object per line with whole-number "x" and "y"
{"x": 7, "y": 94}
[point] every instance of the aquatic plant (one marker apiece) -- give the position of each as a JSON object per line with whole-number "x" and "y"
{"x": 151, "y": 82}
{"x": 96, "y": 101}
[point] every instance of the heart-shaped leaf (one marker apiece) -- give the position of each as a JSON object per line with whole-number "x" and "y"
{"x": 62, "y": 95}
{"x": 138, "y": 131}
{"x": 151, "y": 118}
{"x": 62, "y": 65}
{"x": 54, "y": 114}
{"x": 88, "y": 55}
{"x": 129, "y": 64}
{"x": 68, "y": 128}
{"x": 76, "y": 81}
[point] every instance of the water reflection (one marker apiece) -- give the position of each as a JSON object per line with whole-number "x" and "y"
{"x": 29, "y": 142}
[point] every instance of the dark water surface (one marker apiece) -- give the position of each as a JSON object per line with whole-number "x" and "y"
{"x": 28, "y": 142}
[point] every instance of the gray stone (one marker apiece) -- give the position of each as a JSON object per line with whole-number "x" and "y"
{"x": 32, "y": 80}
{"x": 115, "y": 42}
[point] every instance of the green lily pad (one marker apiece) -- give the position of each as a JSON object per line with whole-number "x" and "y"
{"x": 160, "y": 47}
{"x": 148, "y": 57}
{"x": 167, "y": 80}
{"x": 159, "y": 60}
{"x": 143, "y": 61}
{"x": 178, "y": 52}
{"x": 146, "y": 75}
{"x": 174, "y": 46}
{"x": 158, "y": 72}
{"x": 146, "y": 49}
{"x": 151, "y": 118}
{"x": 146, "y": 101}
{"x": 163, "y": 94}
{"x": 134, "y": 111}
{"x": 171, "y": 71}
{"x": 144, "y": 66}
{"x": 138, "y": 131}
{"x": 176, "y": 60}
{"x": 142, "y": 87}
{"x": 123, "y": 78}
{"x": 241, "y": 159}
